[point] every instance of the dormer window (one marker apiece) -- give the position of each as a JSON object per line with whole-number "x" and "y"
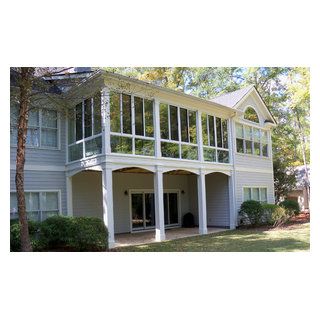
{"x": 251, "y": 115}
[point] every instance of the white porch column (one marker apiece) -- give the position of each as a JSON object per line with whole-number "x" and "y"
{"x": 69, "y": 196}
{"x": 232, "y": 200}
{"x": 202, "y": 203}
{"x": 157, "y": 128}
{"x": 159, "y": 211}
{"x": 199, "y": 135}
{"x": 105, "y": 111}
{"x": 107, "y": 199}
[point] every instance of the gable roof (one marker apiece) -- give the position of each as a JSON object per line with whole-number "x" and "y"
{"x": 232, "y": 98}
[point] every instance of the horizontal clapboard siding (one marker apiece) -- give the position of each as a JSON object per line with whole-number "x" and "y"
{"x": 44, "y": 180}
{"x": 45, "y": 157}
{"x": 217, "y": 192}
{"x": 87, "y": 194}
{"x": 253, "y": 179}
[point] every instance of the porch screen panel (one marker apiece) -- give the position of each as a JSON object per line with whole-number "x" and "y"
{"x": 164, "y": 124}
{"x": 211, "y": 131}
{"x": 204, "y": 129}
{"x": 192, "y": 126}
{"x": 184, "y": 125}
{"x": 97, "y": 113}
{"x": 126, "y": 114}
{"x": 219, "y": 132}
{"x": 148, "y": 112}
{"x": 79, "y": 122}
{"x": 174, "y": 123}
{"x": 115, "y": 112}
{"x": 87, "y": 118}
{"x": 138, "y": 109}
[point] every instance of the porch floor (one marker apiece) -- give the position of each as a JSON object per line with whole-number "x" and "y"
{"x": 132, "y": 239}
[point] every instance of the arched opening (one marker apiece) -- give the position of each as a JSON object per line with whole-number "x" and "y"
{"x": 250, "y": 114}
{"x": 217, "y": 200}
{"x": 180, "y": 197}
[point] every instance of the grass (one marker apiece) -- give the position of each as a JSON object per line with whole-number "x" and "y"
{"x": 288, "y": 239}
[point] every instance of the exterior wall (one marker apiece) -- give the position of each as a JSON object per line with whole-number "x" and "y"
{"x": 87, "y": 194}
{"x": 218, "y": 206}
{"x": 44, "y": 180}
{"x": 45, "y": 157}
{"x": 125, "y": 181}
{"x": 253, "y": 179}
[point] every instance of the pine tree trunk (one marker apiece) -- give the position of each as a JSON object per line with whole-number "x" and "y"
{"x": 25, "y": 93}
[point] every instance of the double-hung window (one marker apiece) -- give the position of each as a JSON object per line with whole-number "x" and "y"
{"x": 215, "y": 139}
{"x": 39, "y": 205}
{"x": 255, "y": 193}
{"x": 131, "y": 125}
{"x": 84, "y": 129}
{"x": 178, "y": 128}
{"x": 42, "y": 128}
{"x": 251, "y": 140}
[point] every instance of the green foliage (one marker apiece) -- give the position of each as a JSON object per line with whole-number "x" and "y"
{"x": 15, "y": 242}
{"x": 279, "y": 216}
{"x": 284, "y": 179}
{"x": 251, "y": 211}
{"x": 74, "y": 234}
{"x": 292, "y": 207}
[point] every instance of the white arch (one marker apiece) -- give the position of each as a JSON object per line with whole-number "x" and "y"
{"x": 256, "y": 111}
{"x": 124, "y": 166}
{"x": 227, "y": 173}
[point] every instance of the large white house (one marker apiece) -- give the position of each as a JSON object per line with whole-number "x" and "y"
{"x": 140, "y": 156}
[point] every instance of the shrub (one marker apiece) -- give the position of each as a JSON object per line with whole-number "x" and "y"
{"x": 267, "y": 211}
{"x": 291, "y": 206}
{"x": 15, "y": 242}
{"x": 74, "y": 234}
{"x": 279, "y": 216}
{"x": 252, "y": 211}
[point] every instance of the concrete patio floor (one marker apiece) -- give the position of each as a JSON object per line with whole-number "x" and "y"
{"x": 132, "y": 239}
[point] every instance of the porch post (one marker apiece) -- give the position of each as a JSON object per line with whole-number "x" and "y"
{"x": 107, "y": 198}
{"x": 159, "y": 212}
{"x": 202, "y": 203}
{"x": 69, "y": 196}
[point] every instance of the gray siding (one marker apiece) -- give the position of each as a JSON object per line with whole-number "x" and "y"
{"x": 44, "y": 180}
{"x": 217, "y": 192}
{"x": 250, "y": 161}
{"x": 87, "y": 194}
{"x": 45, "y": 157}
{"x": 253, "y": 179}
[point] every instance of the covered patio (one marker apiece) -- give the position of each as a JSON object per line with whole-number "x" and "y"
{"x": 132, "y": 239}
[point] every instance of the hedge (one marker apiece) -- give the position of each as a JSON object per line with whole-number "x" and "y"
{"x": 61, "y": 233}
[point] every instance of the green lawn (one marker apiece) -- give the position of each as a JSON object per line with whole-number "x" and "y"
{"x": 292, "y": 238}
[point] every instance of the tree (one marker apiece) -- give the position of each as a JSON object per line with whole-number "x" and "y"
{"x": 28, "y": 81}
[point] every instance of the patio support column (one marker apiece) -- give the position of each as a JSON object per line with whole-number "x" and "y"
{"x": 202, "y": 203}
{"x": 107, "y": 198}
{"x": 159, "y": 211}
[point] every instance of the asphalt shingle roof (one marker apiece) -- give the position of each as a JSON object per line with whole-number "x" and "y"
{"x": 232, "y": 98}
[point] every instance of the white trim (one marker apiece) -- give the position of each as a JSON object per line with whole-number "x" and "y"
{"x": 249, "y": 121}
{"x": 36, "y": 167}
{"x": 252, "y": 187}
{"x": 43, "y": 191}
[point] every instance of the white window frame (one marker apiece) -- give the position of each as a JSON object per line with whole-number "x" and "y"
{"x": 143, "y": 191}
{"x": 215, "y": 148}
{"x": 133, "y": 135}
{"x": 83, "y": 140}
{"x": 179, "y": 142}
{"x": 248, "y": 121}
{"x": 261, "y": 156}
{"x": 44, "y": 191}
{"x": 40, "y": 147}
{"x": 252, "y": 187}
